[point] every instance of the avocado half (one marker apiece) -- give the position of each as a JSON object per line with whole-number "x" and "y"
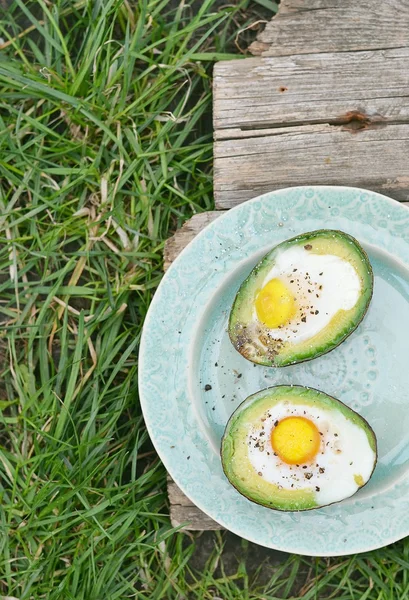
{"x": 252, "y": 338}
{"x": 321, "y": 488}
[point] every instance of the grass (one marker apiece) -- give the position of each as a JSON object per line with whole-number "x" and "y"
{"x": 105, "y": 148}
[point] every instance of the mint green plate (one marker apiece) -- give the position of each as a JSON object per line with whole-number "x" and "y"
{"x": 185, "y": 347}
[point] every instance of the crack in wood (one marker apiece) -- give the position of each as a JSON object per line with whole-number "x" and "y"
{"x": 353, "y": 121}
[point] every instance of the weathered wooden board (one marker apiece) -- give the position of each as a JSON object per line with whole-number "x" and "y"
{"x": 326, "y": 102}
{"x": 306, "y": 26}
{"x": 335, "y": 118}
{"x": 257, "y": 93}
{"x": 184, "y": 512}
{"x": 376, "y": 159}
{"x": 185, "y": 234}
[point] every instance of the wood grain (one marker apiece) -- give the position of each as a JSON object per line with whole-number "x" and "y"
{"x": 335, "y": 118}
{"x": 307, "y": 26}
{"x": 327, "y": 102}
{"x": 257, "y": 93}
{"x": 175, "y": 244}
{"x": 375, "y": 159}
{"x": 184, "y": 513}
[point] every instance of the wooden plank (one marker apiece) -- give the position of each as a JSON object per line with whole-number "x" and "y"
{"x": 320, "y": 88}
{"x": 335, "y": 118}
{"x": 185, "y": 234}
{"x": 328, "y": 101}
{"x": 184, "y": 512}
{"x": 375, "y": 159}
{"x": 307, "y": 26}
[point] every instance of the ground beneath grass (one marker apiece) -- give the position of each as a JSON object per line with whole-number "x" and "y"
{"x": 105, "y": 149}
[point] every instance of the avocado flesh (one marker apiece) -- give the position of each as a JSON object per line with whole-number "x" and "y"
{"x": 249, "y": 336}
{"x": 234, "y": 448}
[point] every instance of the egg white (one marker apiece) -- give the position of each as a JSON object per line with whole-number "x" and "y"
{"x": 322, "y": 285}
{"x": 344, "y": 453}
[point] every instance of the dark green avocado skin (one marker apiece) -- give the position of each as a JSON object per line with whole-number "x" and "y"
{"x": 239, "y": 331}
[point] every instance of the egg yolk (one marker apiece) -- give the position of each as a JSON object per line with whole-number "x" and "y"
{"x": 275, "y": 304}
{"x": 296, "y": 440}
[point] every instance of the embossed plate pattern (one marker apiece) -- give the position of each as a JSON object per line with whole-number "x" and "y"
{"x": 185, "y": 349}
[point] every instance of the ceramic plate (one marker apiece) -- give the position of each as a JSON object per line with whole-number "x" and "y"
{"x": 185, "y": 349}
